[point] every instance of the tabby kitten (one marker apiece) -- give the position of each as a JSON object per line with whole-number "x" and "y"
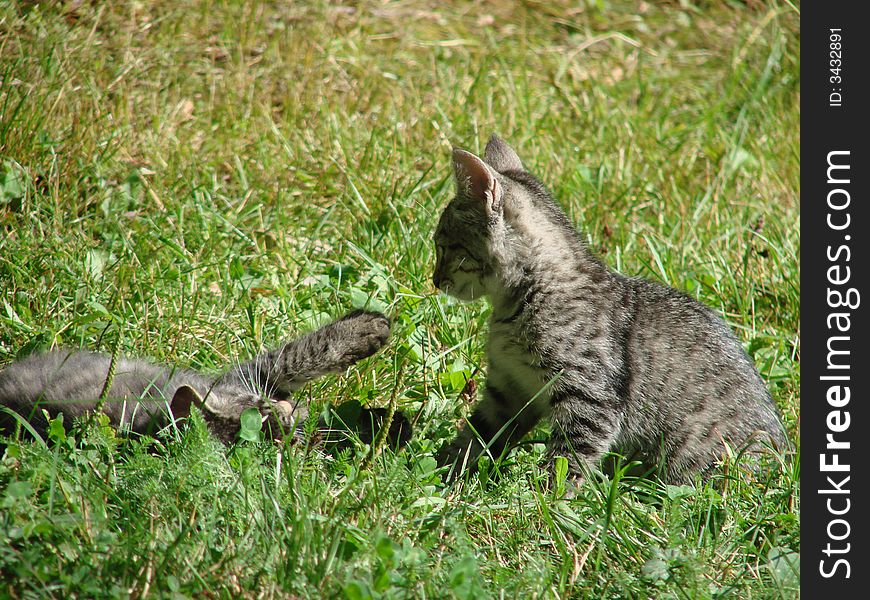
{"x": 144, "y": 397}
{"x": 617, "y": 364}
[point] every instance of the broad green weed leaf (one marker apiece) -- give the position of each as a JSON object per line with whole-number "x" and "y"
{"x": 251, "y": 422}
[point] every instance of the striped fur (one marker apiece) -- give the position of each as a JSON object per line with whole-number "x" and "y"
{"x": 145, "y": 397}
{"x": 617, "y": 364}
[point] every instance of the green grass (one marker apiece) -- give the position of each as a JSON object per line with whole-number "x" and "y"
{"x": 194, "y": 181}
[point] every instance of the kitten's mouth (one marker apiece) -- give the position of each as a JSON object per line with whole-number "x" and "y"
{"x": 446, "y": 286}
{"x": 464, "y": 291}
{"x": 286, "y": 417}
{"x": 289, "y": 414}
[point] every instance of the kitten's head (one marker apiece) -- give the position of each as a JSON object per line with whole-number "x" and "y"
{"x": 222, "y": 411}
{"x": 473, "y": 240}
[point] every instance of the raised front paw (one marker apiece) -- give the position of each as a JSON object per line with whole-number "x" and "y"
{"x": 360, "y": 334}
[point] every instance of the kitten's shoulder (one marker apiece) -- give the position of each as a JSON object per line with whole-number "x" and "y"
{"x": 653, "y": 294}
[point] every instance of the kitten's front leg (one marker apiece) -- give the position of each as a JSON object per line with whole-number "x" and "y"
{"x": 495, "y": 424}
{"x": 583, "y": 431}
{"x": 330, "y": 349}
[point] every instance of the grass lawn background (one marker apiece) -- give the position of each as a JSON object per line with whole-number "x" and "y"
{"x": 193, "y": 181}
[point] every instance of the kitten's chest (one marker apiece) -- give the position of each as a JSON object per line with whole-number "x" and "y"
{"x": 515, "y": 368}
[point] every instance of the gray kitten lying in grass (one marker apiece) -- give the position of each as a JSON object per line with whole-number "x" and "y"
{"x": 143, "y": 394}
{"x": 618, "y": 364}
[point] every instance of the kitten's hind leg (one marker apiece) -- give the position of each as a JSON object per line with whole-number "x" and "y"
{"x": 330, "y": 349}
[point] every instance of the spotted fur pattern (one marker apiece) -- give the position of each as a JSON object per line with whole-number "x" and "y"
{"x": 144, "y": 396}
{"x": 617, "y": 364}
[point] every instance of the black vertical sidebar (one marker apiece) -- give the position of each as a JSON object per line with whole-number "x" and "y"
{"x": 835, "y": 299}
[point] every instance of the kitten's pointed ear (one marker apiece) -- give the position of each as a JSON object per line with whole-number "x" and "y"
{"x": 475, "y": 180}
{"x": 500, "y": 156}
{"x": 184, "y": 397}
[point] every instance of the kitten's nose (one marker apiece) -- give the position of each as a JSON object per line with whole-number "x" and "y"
{"x": 438, "y": 275}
